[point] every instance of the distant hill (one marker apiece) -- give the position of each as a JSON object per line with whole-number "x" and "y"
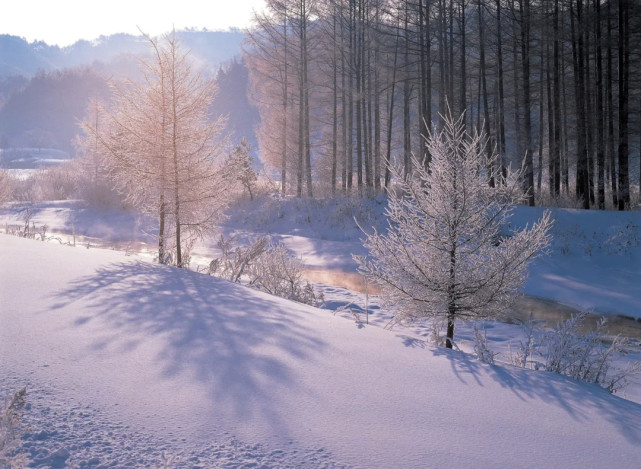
{"x": 44, "y": 89}
{"x": 113, "y": 53}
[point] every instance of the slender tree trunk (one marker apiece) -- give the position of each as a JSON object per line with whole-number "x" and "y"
{"x": 540, "y": 158}
{"x": 283, "y": 161}
{"x": 451, "y": 306}
{"x": 527, "y": 119}
{"x": 377, "y": 112}
{"x": 350, "y": 99}
{"x": 624, "y": 73}
{"x": 501, "y": 93}
{"x": 565, "y": 164}
{"x": 600, "y": 145}
{"x": 582, "y": 183}
{"x": 463, "y": 84}
{"x": 556, "y": 103}
{"x": 486, "y": 109}
{"x": 552, "y": 174}
{"x": 390, "y": 118}
{"x": 610, "y": 113}
{"x": 407, "y": 149}
{"x": 334, "y": 105}
{"x": 307, "y": 143}
{"x": 589, "y": 102}
{"x": 518, "y": 128}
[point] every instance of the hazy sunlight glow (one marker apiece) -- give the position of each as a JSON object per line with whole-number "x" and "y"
{"x": 63, "y": 22}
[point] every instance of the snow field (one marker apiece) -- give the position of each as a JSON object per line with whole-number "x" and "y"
{"x": 170, "y": 355}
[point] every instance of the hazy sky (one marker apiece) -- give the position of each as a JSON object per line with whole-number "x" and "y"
{"x": 63, "y": 22}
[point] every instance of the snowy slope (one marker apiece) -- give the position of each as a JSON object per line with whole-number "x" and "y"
{"x": 172, "y": 355}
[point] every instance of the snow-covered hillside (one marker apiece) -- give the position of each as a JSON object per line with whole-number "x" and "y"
{"x": 126, "y": 359}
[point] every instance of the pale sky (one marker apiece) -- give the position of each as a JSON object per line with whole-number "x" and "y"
{"x": 63, "y": 22}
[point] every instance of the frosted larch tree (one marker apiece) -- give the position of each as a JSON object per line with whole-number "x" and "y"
{"x": 165, "y": 151}
{"x": 446, "y": 252}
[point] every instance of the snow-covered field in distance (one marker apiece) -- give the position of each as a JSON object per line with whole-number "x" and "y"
{"x": 126, "y": 359}
{"x": 31, "y": 158}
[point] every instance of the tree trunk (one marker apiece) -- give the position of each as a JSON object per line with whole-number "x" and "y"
{"x": 582, "y": 183}
{"x": 501, "y": 94}
{"x": 600, "y": 145}
{"x": 527, "y": 119}
{"x": 624, "y": 73}
{"x": 610, "y": 113}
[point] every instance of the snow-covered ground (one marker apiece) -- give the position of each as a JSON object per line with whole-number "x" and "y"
{"x": 126, "y": 360}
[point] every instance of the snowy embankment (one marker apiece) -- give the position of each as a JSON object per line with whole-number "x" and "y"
{"x": 125, "y": 359}
{"x": 594, "y": 261}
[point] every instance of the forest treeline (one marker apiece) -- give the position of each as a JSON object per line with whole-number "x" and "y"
{"x": 343, "y": 86}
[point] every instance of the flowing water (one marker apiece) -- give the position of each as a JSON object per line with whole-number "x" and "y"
{"x": 527, "y": 306}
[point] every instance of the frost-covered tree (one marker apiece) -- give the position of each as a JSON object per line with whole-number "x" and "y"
{"x": 240, "y": 167}
{"x": 164, "y": 150}
{"x": 446, "y": 252}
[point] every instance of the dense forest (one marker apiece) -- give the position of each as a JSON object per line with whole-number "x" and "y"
{"x": 344, "y": 86}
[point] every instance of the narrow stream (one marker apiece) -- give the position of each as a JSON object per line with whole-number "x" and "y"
{"x": 539, "y": 308}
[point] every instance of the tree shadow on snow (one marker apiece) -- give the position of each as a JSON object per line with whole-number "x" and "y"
{"x": 576, "y": 398}
{"x": 241, "y": 346}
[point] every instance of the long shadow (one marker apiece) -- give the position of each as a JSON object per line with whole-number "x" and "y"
{"x": 209, "y": 327}
{"x": 575, "y": 398}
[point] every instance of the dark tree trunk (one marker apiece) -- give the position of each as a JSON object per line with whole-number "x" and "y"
{"x": 582, "y": 183}
{"x": 527, "y": 119}
{"x": 600, "y": 144}
{"x": 624, "y": 73}
{"x": 501, "y": 93}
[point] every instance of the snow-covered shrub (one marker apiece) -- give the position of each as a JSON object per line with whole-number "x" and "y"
{"x": 586, "y": 356}
{"x": 481, "y": 347}
{"x": 527, "y": 346}
{"x": 280, "y": 273}
{"x": 437, "y": 337}
{"x": 235, "y": 260}
{"x": 11, "y": 454}
{"x": 264, "y": 265}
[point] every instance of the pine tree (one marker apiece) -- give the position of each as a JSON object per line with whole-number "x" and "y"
{"x": 446, "y": 252}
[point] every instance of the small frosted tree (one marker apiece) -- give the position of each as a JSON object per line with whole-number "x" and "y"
{"x": 240, "y": 167}
{"x": 445, "y": 253}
